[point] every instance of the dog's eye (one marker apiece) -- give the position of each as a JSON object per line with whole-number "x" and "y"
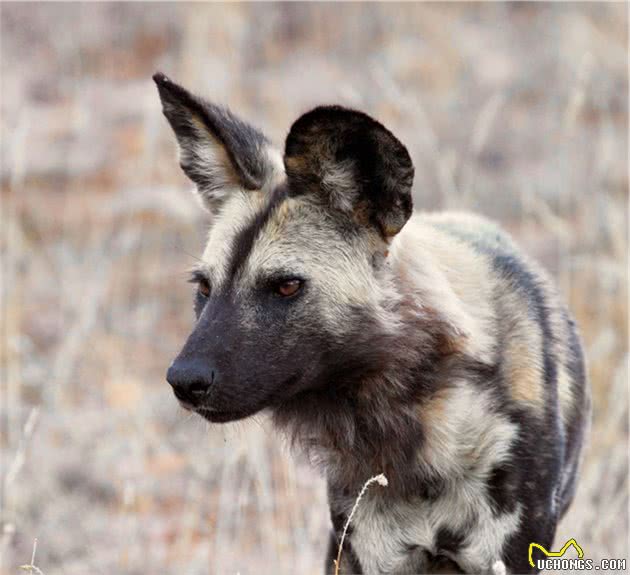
{"x": 204, "y": 288}
{"x": 287, "y": 288}
{"x": 203, "y": 285}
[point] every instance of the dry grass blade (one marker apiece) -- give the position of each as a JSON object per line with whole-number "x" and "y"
{"x": 20, "y": 455}
{"x": 32, "y": 568}
{"x": 381, "y": 480}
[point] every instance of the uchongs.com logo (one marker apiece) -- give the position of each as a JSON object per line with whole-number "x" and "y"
{"x": 555, "y": 560}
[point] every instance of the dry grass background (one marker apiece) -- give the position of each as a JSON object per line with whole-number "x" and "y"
{"x": 517, "y": 111}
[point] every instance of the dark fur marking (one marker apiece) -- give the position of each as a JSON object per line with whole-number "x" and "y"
{"x": 515, "y": 550}
{"x": 449, "y": 541}
{"x": 576, "y": 358}
{"x": 430, "y": 488}
{"x": 536, "y": 473}
{"x": 503, "y": 498}
{"x": 575, "y": 427}
{"x": 338, "y": 519}
{"x": 244, "y": 240}
{"x": 439, "y": 564}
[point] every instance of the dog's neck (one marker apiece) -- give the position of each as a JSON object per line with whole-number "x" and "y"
{"x": 353, "y": 431}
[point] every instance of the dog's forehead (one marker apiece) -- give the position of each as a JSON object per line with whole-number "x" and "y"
{"x": 257, "y": 233}
{"x": 246, "y": 223}
{"x": 235, "y": 214}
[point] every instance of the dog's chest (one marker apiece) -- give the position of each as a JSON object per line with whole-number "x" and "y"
{"x": 392, "y": 539}
{"x": 409, "y": 537}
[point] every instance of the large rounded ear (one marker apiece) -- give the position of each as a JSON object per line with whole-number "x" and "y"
{"x": 219, "y": 152}
{"x": 354, "y": 164}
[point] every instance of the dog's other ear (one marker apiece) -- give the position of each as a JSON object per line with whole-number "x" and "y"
{"x": 352, "y": 163}
{"x": 219, "y": 152}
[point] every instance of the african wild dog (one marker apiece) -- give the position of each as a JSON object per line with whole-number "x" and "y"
{"x": 423, "y": 346}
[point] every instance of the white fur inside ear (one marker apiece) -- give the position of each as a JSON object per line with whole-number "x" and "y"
{"x": 207, "y": 158}
{"x": 339, "y": 181}
{"x": 210, "y": 160}
{"x": 215, "y": 176}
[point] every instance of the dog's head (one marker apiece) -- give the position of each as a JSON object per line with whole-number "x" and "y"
{"x": 290, "y": 292}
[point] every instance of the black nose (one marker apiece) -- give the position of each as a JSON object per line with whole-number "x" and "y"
{"x": 190, "y": 379}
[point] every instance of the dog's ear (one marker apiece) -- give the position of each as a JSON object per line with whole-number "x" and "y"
{"x": 219, "y": 152}
{"x": 352, "y": 163}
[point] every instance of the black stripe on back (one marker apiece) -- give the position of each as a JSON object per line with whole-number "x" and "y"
{"x": 244, "y": 240}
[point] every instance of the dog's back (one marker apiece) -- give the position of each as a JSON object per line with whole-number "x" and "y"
{"x": 510, "y": 318}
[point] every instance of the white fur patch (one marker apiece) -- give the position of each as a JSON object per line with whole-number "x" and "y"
{"x": 383, "y": 533}
{"x": 465, "y": 436}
